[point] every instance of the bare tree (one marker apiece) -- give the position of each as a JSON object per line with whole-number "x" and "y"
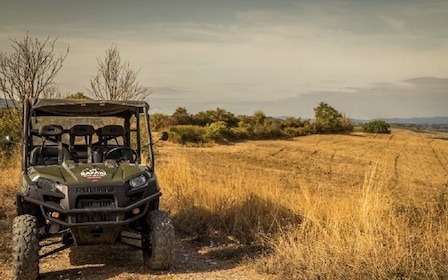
{"x": 116, "y": 80}
{"x": 52, "y": 91}
{"x": 29, "y": 70}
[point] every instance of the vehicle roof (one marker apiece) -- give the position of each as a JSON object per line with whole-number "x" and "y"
{"x": 86, "y": 107}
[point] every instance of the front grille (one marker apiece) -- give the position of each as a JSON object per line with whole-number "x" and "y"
{"x": 85, "y": 203}
{"x": 95, "y": 203}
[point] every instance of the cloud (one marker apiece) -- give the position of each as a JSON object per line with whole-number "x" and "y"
{"x": 417, "y": 97}
{"x": 283, "y": 57}
{"x": 433, "y": 83}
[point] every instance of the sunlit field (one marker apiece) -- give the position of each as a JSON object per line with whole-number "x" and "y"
{"x": 319, "y": 207}
{"x": 357, "y": 206}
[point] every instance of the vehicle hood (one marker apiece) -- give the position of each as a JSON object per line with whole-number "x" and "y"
{"x": 71, "y": 173}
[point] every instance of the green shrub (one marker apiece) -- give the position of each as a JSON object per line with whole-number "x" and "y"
{"x": 242, "y": 132}
{"x": 217, "y": 132}
{"x": 269, "y": 129}
{"x": 347, "y": 124}
{"x": 159, "y": 121}
{"x": 187, "y": 133}
{"x": 296, "y": 132}
{"x": 329, "y": 120}
{"x": 376, "y": 126}
{"x": 10, "y": 124}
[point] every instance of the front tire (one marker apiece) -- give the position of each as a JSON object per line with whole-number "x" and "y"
{"x": 25, "y": 247}
{"x": 158, "y": 252}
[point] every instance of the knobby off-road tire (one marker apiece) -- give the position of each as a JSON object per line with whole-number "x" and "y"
{"x": 25, "y": 248}
{"x": 160, "y": 253}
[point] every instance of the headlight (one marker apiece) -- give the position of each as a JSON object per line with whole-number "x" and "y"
{"x": 46, "y": 183}
{"x": 137, "y": 181}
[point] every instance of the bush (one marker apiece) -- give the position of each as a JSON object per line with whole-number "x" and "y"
{"x": 159, "y": 121}
{"x": 10, "y": 124}
{"x": 269, "y": 129}
{"x": 242, "y": 132}
{"x": 295, "y": 132}
{"x": 187, "y": 133}
{"x": 218, "y": 132}
{"x": 329, "y": 120}
{"x": 376, "y": 126}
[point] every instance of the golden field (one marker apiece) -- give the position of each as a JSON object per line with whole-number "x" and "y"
{"x": 358, "y": 206}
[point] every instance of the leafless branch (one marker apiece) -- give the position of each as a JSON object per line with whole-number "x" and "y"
{"x": 29, "y": 70}
{"x": 116, "y": 80}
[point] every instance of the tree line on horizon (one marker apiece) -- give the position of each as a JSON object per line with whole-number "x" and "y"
{"x": 222, "y": 126}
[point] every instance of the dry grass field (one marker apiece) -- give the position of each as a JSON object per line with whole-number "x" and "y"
{"x": 354, "y": 206}
{"x": 357, "y": 206}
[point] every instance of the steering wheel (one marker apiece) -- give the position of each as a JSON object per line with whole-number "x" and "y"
{"x": 123, "y": 156}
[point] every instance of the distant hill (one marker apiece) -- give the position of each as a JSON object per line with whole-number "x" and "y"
{"x": 431, "y": 120}
{"x": 428, "y": 120}
{"x": 6, "y": 101}
{"x": 432, "y": 123}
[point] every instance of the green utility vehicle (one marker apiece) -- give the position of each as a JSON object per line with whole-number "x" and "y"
{"x": 84, "y": 182}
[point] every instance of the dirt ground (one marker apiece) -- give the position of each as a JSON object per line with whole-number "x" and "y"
{"x": 193, "y": 260}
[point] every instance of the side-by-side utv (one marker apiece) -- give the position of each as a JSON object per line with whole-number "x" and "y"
{"x": 84, "y": 182}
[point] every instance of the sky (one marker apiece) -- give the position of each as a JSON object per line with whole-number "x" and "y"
{"x": 366, "y": 58}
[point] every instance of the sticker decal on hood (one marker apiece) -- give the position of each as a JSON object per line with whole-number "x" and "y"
{"x": 93, "y": 173}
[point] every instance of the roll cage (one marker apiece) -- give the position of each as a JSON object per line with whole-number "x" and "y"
{"x": 51, "y": 136}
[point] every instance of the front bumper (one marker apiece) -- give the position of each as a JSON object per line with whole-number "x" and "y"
{"x": 68, "y": 218}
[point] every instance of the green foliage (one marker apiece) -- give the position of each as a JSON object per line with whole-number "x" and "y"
{"x": 78, "y": 95}
{"x": 218, "y": 132}
{"x": 376, "y": 126}
{"x": 181, "y": 117}
{"x": 10, "y": 124}
{"x": 242, "y": 131}
{"x": 296, "y": 131}
{"x": 292, "y": 122}
{"x": 187, "y": 133}
{"x": 293, "y": 127}
{"x": 270, "y": 128}
{"x": 205, "y": 118}
{"x": 259, "y": 117}
{"x": 159, "y": 121}
{"x": 347, "y": 124}
{"x": 221, "y": 126}
{"x": 328, "y": 119}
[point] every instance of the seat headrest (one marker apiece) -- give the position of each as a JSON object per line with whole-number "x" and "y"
{"x": 51, "y": 130}
{"x": 111, "y": 130}
{"x": 82, "y": 130}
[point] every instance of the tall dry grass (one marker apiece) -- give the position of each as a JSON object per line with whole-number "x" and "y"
{"x": 237, "y": 203}
{"x": 9, "y": 180}
{"x": 366, "y": 234}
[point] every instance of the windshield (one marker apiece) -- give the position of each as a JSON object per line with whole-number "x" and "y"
{"x": 85, "y": 131}
{"x": 53, "y": 140}
{"x": 68, "y": 122}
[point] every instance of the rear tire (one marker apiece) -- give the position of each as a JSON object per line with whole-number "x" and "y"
{"x": 25, "y": 247}
{"x": 158, "y": 253}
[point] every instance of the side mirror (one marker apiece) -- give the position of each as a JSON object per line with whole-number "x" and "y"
{"x": 164, "y": 136}
{"x": 8, "y": 141}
